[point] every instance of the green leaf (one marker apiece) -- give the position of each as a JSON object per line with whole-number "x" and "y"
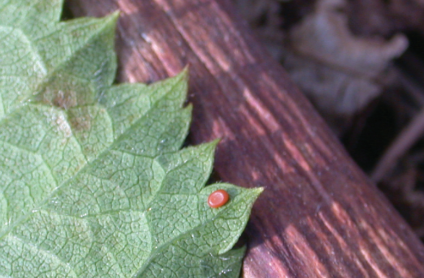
{"x": 92, "y": 179}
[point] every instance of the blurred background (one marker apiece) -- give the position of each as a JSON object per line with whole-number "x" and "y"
{"x": 361, "y": 63}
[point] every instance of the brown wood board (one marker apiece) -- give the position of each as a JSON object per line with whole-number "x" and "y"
{"x": 319, "y": 215}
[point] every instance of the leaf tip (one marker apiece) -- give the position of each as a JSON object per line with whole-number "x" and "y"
{"x": 215, "y": 142}
{"x": 186, "y": 70}
{"x": 115, "y": 15}
{"x": 256, "y": 192}
{"x": 189, "y": 108}
{"x": 112, "y": 18}
{"x": 184, "y": 74}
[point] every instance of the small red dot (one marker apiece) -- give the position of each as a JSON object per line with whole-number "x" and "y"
{"x": 218, "y": 198}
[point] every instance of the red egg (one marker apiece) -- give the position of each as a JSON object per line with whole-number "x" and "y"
{"x": 218, "y": 198}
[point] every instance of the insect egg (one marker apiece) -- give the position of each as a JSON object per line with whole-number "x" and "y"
{"x": 218, "y": 198}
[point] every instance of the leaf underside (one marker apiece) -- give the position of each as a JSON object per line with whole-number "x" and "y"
{"x": 92, "y": 179}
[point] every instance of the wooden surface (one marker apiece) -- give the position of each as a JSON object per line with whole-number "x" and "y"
{"x": 319, "y": 215}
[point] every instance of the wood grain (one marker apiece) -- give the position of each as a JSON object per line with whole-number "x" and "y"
{"x": 319, "y": 215}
